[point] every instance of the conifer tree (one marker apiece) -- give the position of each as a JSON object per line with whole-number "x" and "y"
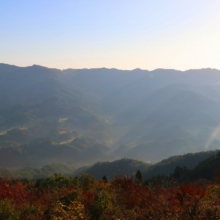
{"x": 138, "y": 176}
{"x": 105, "y": 179}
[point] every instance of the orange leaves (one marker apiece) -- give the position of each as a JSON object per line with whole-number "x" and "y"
{"x": 193, "y": 190}
{"x": 87, "y": 198}
{"x": 130, "y": 193}
{"x": 122, "y": 198}
{"x": 189, "y": 193}
{"x": 16, "y": 192}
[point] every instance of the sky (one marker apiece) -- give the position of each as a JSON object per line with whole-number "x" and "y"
{"x": 125, "y": 34}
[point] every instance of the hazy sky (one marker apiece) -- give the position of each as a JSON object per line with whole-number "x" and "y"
{"x": 123, "y": 34}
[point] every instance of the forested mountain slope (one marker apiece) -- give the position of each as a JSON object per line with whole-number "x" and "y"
{"x": 203, "y": 165}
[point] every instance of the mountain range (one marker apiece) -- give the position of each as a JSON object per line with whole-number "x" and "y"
{"x": 82, "y": 116}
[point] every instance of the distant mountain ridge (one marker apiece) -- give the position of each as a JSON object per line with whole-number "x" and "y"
{"x": 87, "y": 115}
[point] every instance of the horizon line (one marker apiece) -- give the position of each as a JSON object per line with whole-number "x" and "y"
{"x": 112, "y": 68}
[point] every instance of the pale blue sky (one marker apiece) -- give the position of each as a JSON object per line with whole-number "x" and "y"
{"x": 123, "y": 34}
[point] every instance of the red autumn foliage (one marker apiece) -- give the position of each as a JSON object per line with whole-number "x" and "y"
{"x": 123, "y": 198}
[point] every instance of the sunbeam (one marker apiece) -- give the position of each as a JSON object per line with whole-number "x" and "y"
{"x": 213, "y": 136}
